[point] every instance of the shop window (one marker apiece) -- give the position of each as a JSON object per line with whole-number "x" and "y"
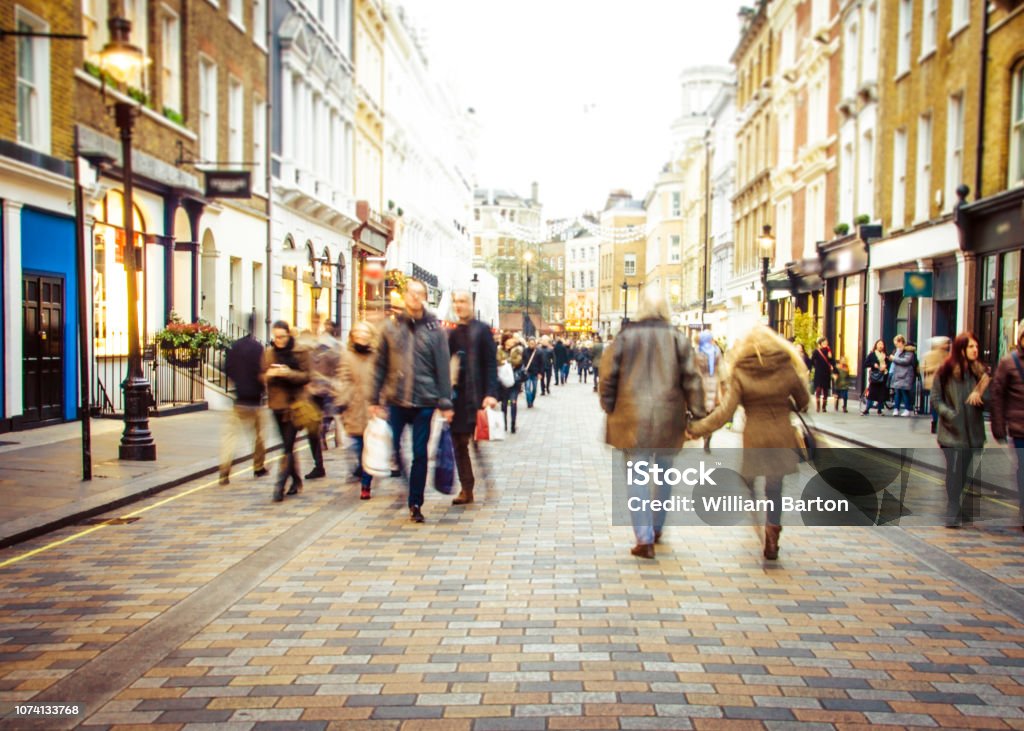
{"x": 1016, "y": 172}
{"x": 109, "y": 283}
{"x": 1009, "y": 307}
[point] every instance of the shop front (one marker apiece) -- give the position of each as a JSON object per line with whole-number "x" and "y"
{"x": 993, "y": 235}
{"x": 844, "y": 264}
{"x": 369, "y": 281}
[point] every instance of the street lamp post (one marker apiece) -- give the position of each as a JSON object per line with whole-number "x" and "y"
{"x": 625, "y": 301}
{"x": 123, "y": 60}
{"x": 317, "y": 287}
{"x": 767, "y": 244}
{"x": 527, "y": 257}
{"x": 474, "y": 287}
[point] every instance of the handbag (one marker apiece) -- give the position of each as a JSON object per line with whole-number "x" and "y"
{"x": 876, "y": 376}
{"x": 495, "y": 425}
{"x": 807, "y": 443}
{"x": 506, "y": 375}
{"x": 377, "y": 448}
{"x": 444, "y": 464}
{"x": 305, "y": 415}
{"x": 483, "y": 427}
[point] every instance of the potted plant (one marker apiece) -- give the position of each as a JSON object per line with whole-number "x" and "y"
{"x": 841, "y": 229}
{"x": 862, "y": 219}
{"x": 184, "y": 343}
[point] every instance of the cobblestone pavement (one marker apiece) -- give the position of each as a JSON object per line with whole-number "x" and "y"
{"x": 220, "y": 609}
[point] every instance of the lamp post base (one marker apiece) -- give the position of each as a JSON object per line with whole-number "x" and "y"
{"x": 137, "y": 441}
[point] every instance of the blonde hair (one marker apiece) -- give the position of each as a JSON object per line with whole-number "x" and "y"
{"x": 654, "y": 306}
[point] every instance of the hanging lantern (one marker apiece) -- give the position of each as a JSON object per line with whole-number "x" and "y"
{"x": 373, "y": 270}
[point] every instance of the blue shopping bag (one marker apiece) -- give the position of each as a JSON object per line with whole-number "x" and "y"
{"x": 444, "y": 463}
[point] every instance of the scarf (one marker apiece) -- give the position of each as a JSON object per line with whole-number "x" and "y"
{"x": 709, "y": 349}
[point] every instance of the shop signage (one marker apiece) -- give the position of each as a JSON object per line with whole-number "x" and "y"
{"x": 917, "y": 284}
{"x": 228, "y": 184}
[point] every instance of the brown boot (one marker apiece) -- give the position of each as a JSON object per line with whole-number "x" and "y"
{"x": 771, "y": 541}
{"x": 643, "y": 550}
{"x": 465, "y": 497}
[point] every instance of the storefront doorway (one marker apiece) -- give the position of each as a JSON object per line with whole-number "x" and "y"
{"x": 43, "y": 347}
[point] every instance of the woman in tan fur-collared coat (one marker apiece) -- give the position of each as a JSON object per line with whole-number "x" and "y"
{"x": 765, "y": 375}
{"x": 353, "y": 393}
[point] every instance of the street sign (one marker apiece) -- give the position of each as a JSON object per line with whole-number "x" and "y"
{"x": 228, "y": 184}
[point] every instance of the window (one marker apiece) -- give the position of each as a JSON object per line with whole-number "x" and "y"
{"x": 572, "y": 253}
{"x": 819, "y": 14}
{"x": 573, "y": 280}
{"x": 207, "y": 110}
{"x": 786, "y": 134}
{"x": 478, "y": 247}
{"x": 259, "y": 22}
{"x": 591, "y": 278}
{"x": 905, "y": 31}
{"x": 816, "y": 113}
{"x": 929, "y": 24}
{"x": 924, "y": 168}
{"x": 847, "y": 176}
{"x": 674, "y": 255}
{"x": 593, "y": 253}
{"x": 851, "y": 54}
{"x": 899, "y": 179}
{"x": 235, "y": 13}
{"x": 676, "y": 203}
{"x": 236, "y": 152}
{"x": 954, "y": 149}
{"x": 1017, "y": 129}
{"x": 561, "y": 263}
{"x": 869, "y": 59}
{"x": 33, "y": 64}
{"x": 961, "y": 15}
{"x": 259, "y": 144}
{"x": 629, "y": 265}
{"x": 865, "y": 196}
{"x": 170, "y": 65}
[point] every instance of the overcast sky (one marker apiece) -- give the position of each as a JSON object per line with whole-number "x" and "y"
{"x": 578, "y": 95}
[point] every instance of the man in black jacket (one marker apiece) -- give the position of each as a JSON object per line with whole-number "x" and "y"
{"x": 477, "y": 385}
{"x": 561, "y": 362}
{"x": 244, "y": 366}
{"x": 413, "y": 379}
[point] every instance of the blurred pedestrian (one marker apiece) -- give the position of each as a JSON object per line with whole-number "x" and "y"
{"x": 533, "y": 363}
{"x": 243, "y": 364}
{"x": 842, "y": 384}
{"x": 823, "y": 364}
{"x": 710, "y": 363}
{"x": 584, "y": 362}
{"x": 561, "y": 362}
{"x": 511, "y": 352}
{"x": 650, "y": 383}
{"x": 1008, "y": 410}
{"x": 766, "y": 377}
{"x": 413, "y": 377}
{"x": 475, "y": 388}
{"x": 930, "y": 365}
{"x": 324, "y": 356}
{"x": 547, "y": 356}
{"x": 959, "y": 391}
{"x": 904, "y": 372}
{"x": 876, "y": 365}
{"x": 596, "y": 351}
{"x": 354, "y": 391}
{"x": 286, "y": 372}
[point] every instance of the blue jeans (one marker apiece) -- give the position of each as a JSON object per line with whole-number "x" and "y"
{"x": 646, "y": 522}
{"x": 902, "y": 397}
{"x": 357, "y": 449}
{"x": 398, "y": 418}
{"x": 531, "y": 389}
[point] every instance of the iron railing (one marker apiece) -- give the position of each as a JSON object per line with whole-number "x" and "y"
{"x": 216, "y": 357}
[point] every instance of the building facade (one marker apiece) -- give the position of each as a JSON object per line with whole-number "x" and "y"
{"x": 622, "y": 265}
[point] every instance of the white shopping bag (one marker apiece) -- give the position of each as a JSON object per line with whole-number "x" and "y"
{"x": 495, "y": 425}
{"x": 377, "y": 448}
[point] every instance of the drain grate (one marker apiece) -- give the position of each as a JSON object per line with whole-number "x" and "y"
{"x": 109, "y": 521}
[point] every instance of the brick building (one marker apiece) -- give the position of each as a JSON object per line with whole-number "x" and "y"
{"x": 623, "y": 261}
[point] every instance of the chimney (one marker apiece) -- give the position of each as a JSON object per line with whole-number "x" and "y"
{"x": 534, "y": 194}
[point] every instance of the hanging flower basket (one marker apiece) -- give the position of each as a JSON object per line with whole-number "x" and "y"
{"x": 184, "y": 343}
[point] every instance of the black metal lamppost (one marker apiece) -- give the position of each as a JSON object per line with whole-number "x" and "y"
{"x": 767, "y": 244}
{"x": 124, "y": 61}
{"x": 474, "y": 287}
{"x": 527, "y": 257}
{"x": 625, "y": 301}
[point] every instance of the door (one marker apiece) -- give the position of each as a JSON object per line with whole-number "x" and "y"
{"x": 43, "y": 348}
{"x": 987, "y": 336}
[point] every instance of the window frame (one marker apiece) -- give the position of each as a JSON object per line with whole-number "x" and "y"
{"x": 929, "y": 27}
{"x": 904, "y": 37}
{"x": 1015, "y": 177}
{"x": 207, "y": 121}
{"x": 170, "y": 59}
{"x": 923, "y": 169}
{"x": 954, "y": 148}
{"x": 40, "y": 120}
{"x": 629, "y": 262}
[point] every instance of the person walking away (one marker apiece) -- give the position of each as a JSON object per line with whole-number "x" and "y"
{"x": 823, "y": 365}
{"x": 324, "y": 357}
{"x": 710, "y": 362}
{"x": 596, "y": 351}
{"x": 547, "y": 356}
{"x": 286, "y": 373}
{"x": 876, "y": 365}
{"x": 842, "y": 385}
{"x": 243, "y": 364}
{"x": 413, "y": 371}
{"x": 930, "y": 364}
{"x": 533, "y": 366}
{"x": 766, "y": 377}
{"x": 1008, "y": 410}
{"x": 475, "y": 389}
{"x": 511, "y": 352}
{"x": 904, "y": 372}
{"x": 354, "y": 389}
{"x": 561, "y": 362}
{"x": 649, "y": 384}
{"x": 959, "y": 391}
{"x": 584, "y": 361}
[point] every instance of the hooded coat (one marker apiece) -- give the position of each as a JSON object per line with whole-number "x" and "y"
{"x": 765, "y": 377}
{"x": 648, "y": 383}
{"x": 904, "y": 368}
{"x": 356, "y": 372}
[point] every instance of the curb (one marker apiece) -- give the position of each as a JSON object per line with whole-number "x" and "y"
{"x": 78, "y": 511}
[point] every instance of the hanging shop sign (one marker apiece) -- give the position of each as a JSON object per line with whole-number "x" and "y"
{"x": 228, "y": 183}
{"x": 917, "y": 284}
